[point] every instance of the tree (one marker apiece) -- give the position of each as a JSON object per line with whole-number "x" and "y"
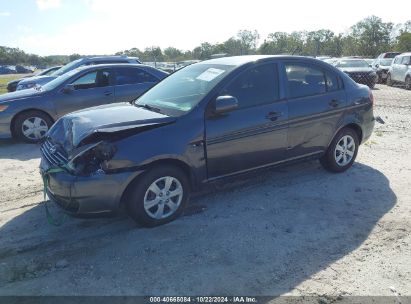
{"x": 372, "y": 36}
{"x": 153, "y": 53}
{"x": 172, "y": 54}
{"x": 248, "y": 41}
{"x": 404, "y": 42}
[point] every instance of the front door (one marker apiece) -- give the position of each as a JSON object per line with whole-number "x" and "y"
{"x": 91, "y": 89}
{"x": 253, "y": 135}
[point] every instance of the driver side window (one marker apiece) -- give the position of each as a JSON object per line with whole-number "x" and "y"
{"x": 92, "y": 79}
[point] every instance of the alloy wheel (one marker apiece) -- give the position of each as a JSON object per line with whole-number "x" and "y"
{"x": 163, "y": 197}
{"x": 344, "y": 150}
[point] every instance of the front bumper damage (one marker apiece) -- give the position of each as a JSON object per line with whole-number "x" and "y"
{"x": 81, "y": 195}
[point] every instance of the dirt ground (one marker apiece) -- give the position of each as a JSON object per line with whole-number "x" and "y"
{"x": 295, "y": 230}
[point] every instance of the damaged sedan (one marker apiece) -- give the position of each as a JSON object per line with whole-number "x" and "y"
{"x": 205, "y": 122}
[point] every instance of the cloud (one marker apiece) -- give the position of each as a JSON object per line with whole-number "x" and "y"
{"x": 48, "y": 4}
{"x": 5, "y": 14}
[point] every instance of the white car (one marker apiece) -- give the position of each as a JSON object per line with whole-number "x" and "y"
{"x": 400, "y": 71}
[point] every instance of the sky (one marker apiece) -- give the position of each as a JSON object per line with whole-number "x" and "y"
{"x": 50, "y": 27}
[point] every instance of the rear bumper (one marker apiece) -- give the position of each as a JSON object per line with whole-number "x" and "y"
{"x": 85, "y": 195}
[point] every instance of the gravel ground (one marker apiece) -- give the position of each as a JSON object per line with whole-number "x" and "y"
{"x": 295, "y": 230}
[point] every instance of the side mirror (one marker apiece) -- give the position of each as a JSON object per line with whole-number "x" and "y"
{"x": 370, "y": 65}
{"x": 68, "y": 88}
{"x": 377, "y": 65}
{"x": 226, "y": 103}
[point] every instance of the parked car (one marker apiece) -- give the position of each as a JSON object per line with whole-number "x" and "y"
{"x": 208, "y": 121}
{"x": 12, "y": 85}
{"x": 22, "y": 70}
{"x": 41, "y": 80}
{"x": 6, "y": 70}
{"x": 381, "y": 67}
{"x": 400, "y": 71}
{"x": 359, "y": 70}
{"x": 28, "y": 114}
{"x": 388, "y": 55}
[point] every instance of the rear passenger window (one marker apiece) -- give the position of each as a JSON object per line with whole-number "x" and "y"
{"x": 304, "y": 80}
{"x": 255, "y": 86}
{"x": 331, "y": 81}
{"x": 406, "y": 60}
{"x": 133, "y": 76}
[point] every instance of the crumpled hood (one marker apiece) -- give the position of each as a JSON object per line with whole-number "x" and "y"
{"x": 20, "y": 95}
{"x": 358, "y": 70}
{"x": 103, "y": 121}
{"x": 40, "y": 80}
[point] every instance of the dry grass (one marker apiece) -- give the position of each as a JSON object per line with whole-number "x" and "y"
{"x": 4, "y": 79}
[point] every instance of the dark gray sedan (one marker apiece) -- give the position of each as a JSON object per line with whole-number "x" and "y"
{"x": 28, "y": 114}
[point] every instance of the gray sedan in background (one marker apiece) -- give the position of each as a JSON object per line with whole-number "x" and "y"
{"x": 28, "y": 114}
{"x": 42, "y": 80}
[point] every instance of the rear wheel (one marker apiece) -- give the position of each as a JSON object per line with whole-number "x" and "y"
{"x": 408, "y": 83}
{"x": 159, "y": 196}
{"x": 342, "y": 151}
{"x": 32, "y": 126}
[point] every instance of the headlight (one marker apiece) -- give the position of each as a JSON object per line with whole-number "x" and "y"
{"x": 90, "y": 159}
{"x": 3, "y": 108}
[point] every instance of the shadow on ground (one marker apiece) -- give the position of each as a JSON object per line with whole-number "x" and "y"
{"x": 11, "y": 149}
{"x": 262, "y": 235}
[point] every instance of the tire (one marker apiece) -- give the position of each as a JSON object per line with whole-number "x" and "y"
{"x": 408, "y": 83}
{"x": 40, "y": 121}
{"x": 140, "y": 195}
{"x": 371, "y": 85}
{"x": 389, "y": 80}
{"x": 332, "y": 159}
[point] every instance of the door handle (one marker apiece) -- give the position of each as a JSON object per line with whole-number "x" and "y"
{"x": 108, "y": 93}
{"x": 334, "y": 103}
{"x": 273, "y": 115}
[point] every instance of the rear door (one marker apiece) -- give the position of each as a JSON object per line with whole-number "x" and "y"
{"x": 92, "y": 88}
{"x": 316, "y": 102}
{"x": 253, "y": 135}
{"x": 131, "y": 82}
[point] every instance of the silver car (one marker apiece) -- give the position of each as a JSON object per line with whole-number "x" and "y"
{"x": 400, "y": 71}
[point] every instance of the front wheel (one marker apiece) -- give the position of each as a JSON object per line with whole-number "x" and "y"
{"x": 31, "y": 126}
{"x": 342, "y": 151}
{"x": 408, "y": 83}
{"x": 389, "y": 80}
{"x": 158, "y": 196}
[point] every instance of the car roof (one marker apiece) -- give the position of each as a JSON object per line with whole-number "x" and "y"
{"x": 111, "y": 65}
{"x": 241, "y": 60}
{"x": 405, "y": 54}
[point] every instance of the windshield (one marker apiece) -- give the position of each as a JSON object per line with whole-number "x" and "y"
{"x": 69, "y": 66}
{"x": 386, "y": 62}
{"x": 183, "y": 90}
{"x": 352, "y": 64}
{"x": 58, "y": 81}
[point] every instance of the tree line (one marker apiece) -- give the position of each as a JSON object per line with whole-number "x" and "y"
{"x": 369, "y": 37}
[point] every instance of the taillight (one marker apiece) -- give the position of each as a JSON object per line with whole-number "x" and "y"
{"x": 371, "y": 98}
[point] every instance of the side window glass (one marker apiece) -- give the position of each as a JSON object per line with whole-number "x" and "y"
{"x": 92, "y": 80}
{"x": 331, "y": 81}
{"x": 304, "y": 80}
{"x": 133, "y": 76}
{"x": 405, "y": 60}
{"x": 255, "y": 86}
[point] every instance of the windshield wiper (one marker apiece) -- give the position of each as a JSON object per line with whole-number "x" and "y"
{"x": 148, "y": 107}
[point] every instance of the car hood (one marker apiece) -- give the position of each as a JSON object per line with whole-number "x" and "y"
{"x": 38, "y": 80}
{"x": 12, "y": 96}
{"x": 352, "y": 70}
{"x": 108, "y": 122}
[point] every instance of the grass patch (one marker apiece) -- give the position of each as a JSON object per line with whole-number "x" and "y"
{"x": 4, "y": 79}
